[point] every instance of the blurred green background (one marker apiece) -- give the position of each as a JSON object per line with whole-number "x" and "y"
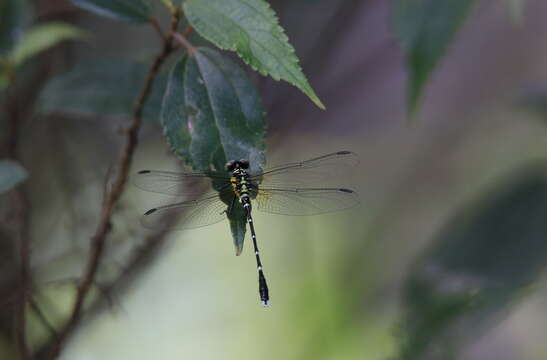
{"x": 444, "y": 259}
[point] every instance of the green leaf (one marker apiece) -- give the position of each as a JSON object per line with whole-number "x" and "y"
{"x": 212, "y": 114}
{"x": 41, "y": 37}
{"x": 133, "y": 11}
{"x": 425, "y": 29}
{"x": 516, "y": 10}
{"x": 169, "y": 4}
{"x": 238, "y": 226}
{"x": 106, "y": 87}
{"x": 250, "y": 28}
{"x": 11, "y": 174}
{"x": 14, "y": 16}
{"x": 481, "y": 263}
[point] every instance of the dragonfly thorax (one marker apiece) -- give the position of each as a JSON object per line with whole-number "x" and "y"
{"x": 239, "y": 178}
{"x": 240, "y": 183}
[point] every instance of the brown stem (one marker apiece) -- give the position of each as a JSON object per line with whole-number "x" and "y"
{"x": 184, "y": 42}
{"x": 43, "y": 319}
{"x": 23, "y": 218}
{"x": 156, "y": 25}
{"x": 187, "y": 31}
{"x": 112, "y": 196}
{"x": 140, "y": 257}
{"x": 21, "y": 206}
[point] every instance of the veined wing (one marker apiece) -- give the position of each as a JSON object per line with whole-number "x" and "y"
{"x": 319, "y": 170}
{"x": 191, "y": 214}
{"x": 171, "y": 183}
{"x": 307, "y": 201}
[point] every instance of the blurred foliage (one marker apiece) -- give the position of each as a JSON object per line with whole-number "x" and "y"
{"x": 19, "y": 42}
{"x": 11, "y": 174}
{"x": 335, "y": 288}
{"x": 41, "y": 37}
{"x": 102, "y": 87}
{"x": 250, "y": 28}
{"x": 133, "y": 11}
{"x": 480, "y": 264}
{"x": 516, "y": 10}
{"x": 533, "y": 100}
{"x": 14, "y": 17}
{"x": 425, "y": 29}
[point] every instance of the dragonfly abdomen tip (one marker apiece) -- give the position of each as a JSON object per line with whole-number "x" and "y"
{"x": 144, "y": 172}
{"x": 346, "y": 190}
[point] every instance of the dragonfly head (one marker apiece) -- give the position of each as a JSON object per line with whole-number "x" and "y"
{"x": 237, "y": 164}
{"x": 244, "y": 164}
{"x": 230, "y": 165}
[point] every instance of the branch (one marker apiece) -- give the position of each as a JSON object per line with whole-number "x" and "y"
{"x": 21, "y": 206}
{"x": 181, "y": 38}
{"x": 139, "y": 260}
{"x": 112, "y": 197}
{"x": 187, "y": 31}
{"x": 36, "y": 308}
{"x": 156, "y": 25}
{"x": 142, "y": 257}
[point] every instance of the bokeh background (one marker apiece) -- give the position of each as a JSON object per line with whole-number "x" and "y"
{"x": 444, "y": 259}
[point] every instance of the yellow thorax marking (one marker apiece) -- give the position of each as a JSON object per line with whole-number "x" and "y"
{"x": 241, "y": 183}
{"x": 233, "y": 181}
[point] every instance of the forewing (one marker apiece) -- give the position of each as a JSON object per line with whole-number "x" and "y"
{"x": 304, "y": 201}
{"x": 171, "y": 183}
{"x": 325, "y": 170}
{"x": 187, "y": 214}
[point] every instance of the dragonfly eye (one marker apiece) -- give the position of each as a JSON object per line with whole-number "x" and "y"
{"x": 244, "y": 164}
{"x": 230, "y": 165}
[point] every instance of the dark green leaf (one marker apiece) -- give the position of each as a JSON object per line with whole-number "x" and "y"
{"x": 534, "y": 100}
{"x": 11, "y": 174}
{"x": 238, "y": 226}
{"x": 250, "y": 28}
{"x": 4, "y": 75}
{"x": 211, "y": 114}
{"x": 101, "y": 87}
{"x": 425, "y": 29}
{"x": 134, "y": 11}
{"x": 480, "y": 264}
{"x": 14, "y": 15}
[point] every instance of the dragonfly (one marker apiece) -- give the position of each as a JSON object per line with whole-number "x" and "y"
{"x": 294, "y": 189}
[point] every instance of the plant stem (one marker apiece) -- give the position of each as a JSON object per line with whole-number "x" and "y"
{"x": 38, "y": 311}
{"x": 112, "y": 196}
{"x": 21, "y": 206}
{"x": 156, "y": 25}
{"x": 183, "y": 41}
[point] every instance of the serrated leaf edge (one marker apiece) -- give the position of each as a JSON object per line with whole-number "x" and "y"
{"x": 303, "y": 85}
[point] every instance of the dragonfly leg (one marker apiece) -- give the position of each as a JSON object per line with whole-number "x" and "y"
{"x": 228, "y": 211}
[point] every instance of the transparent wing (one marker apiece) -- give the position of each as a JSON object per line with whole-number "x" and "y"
{"x": 319, "y": 170}
{"x": 311, "y": 201}
{"x": 191, "y": 214}
{"x": 170, "y": 183}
